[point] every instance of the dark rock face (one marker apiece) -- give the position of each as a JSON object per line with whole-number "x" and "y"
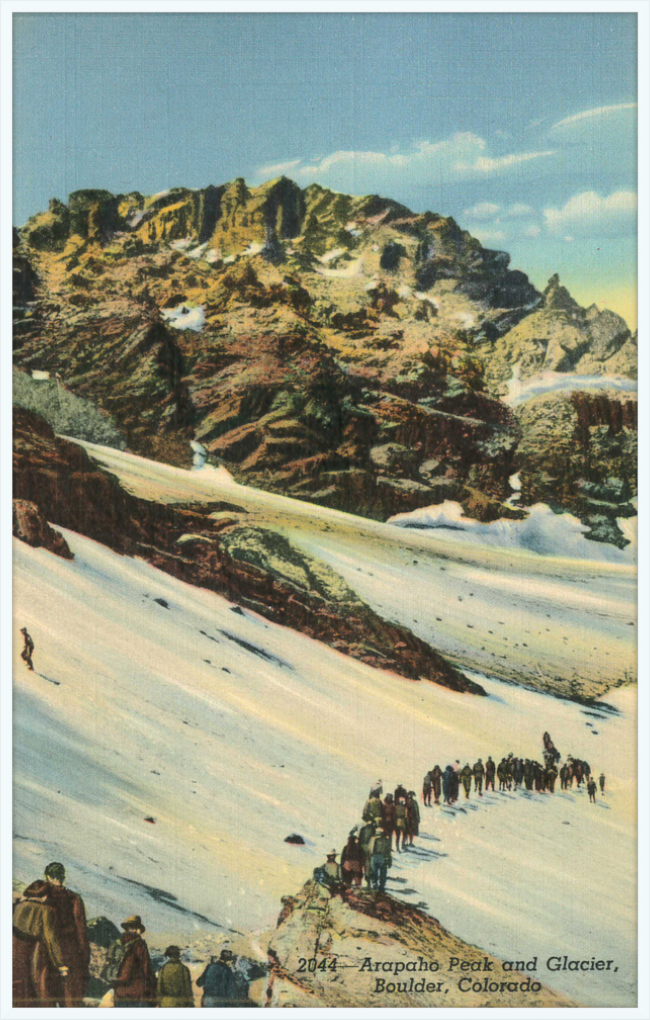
{"x": 30, "y": 526}
{"x": 254, "y": 567}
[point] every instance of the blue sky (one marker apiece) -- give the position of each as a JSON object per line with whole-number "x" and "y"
{"x": 521, "y": 126}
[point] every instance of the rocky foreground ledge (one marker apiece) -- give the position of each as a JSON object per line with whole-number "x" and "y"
{"x": 369, "y": 949}
{"x": 56, "y": 481}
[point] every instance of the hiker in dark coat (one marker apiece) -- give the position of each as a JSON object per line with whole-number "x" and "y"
{"x": 466, "y": 779}
{"x": 37, "y": 953}
{"x": 446, "y": 784}
{"x": 175, "y": 982}
{"x": 427, "y": 786}
{"x": 490, "y": 769}
{"x": 352, "y": 861}
{"x": 601, "y": 780}
{"x": 28, "y": 650}
{"x": 135, "y": 985}
{"x": 400, "y": 791}
{"x": 412, "y": 816}
{"x": 454, "y": 785}
{"x": 71, "y": 925}
{"x": 388, "y": 815}
{"x": 591, "y": 790}
{"x": 478, "y": 772}
{"x": 436, "y": 780}
{"x": 217, "y": 982}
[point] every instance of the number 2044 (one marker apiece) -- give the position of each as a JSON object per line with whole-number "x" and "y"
{"x": 312, "y": 965}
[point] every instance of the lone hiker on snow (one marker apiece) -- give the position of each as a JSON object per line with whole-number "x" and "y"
{"x": 28, "y": 650}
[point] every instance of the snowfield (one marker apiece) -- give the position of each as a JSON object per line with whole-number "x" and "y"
{"x": 168, "y": 742}
{"x": 490, "y": 608}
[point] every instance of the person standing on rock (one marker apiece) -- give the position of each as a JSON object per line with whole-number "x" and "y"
{"x": 412, "y": 816}
{"x": 28, "y": 650}
{"x": 38, "y": 961}
{"x": 436, "y": 782}
{"x": 71, "y": 925}
{"x": 217, "y": 982}
{"x": 366, "y": 834}
{"x": 489, "y": 774}
{"x": 381, "y": 859}
{"x": 478, "y": 772}
{"x": 466, "y": 779}
{"x": 135, "y": 984}
{"x": 175, "y": 982}
{"x": 352, "y": 861}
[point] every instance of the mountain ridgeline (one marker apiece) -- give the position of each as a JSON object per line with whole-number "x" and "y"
{"x": 333, "y": 348}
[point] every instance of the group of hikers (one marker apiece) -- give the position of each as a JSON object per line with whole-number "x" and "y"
{"x": 368, "y": 851}
{"x": 393, "y": 822}
{"x": 51, "y": 958}
{"x": 510, "y": 773}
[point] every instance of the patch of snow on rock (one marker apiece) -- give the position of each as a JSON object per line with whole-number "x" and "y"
{"x": 185, "y": 317}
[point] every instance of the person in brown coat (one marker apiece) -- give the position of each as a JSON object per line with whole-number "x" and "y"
{"x": 135, "y": 985}
{"x": 175, "y": 982}
{"x": 37, "y": 953}
{"x": 71, "y": 926}
{"x": 352, "y": 861}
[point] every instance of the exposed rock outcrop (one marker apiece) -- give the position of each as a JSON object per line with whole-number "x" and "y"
{"x": 346, "y": 937}
{"x": 29, "y": 525}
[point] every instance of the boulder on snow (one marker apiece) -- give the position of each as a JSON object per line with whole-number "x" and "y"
{"x": 295, "y": 838}
{"x": 30, "y": 526}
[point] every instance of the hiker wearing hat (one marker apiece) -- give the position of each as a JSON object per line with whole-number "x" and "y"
{"x": 217, "y": 982}
{"x": 71, "y": 926}
{"x": 401, "y": 823}
{"x": 37, "y": 953}
{"x": 28, "y": 650}
{"x": 372, "y": 808}
{"x": 175, "y": 981}
{"x": 380, "y": 859}
{"x": 135, "y": 983}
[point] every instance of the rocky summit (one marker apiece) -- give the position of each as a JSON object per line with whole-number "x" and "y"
{"x": 333, "y": 348}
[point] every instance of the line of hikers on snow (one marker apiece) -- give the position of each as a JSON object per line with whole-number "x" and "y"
{"x": 51, "y": 956}
{"x": 510, "y": 773}
{"x": 368, "y": 851}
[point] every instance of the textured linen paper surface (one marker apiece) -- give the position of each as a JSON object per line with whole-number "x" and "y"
{"x": 324, "y": 509}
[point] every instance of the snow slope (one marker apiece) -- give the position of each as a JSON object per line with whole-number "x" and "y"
{"x": 492, "y": 609}
{"x": 231, "y": 733}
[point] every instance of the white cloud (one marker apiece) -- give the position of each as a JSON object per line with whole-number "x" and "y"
{"x": 598, "y": 111}
{"x": 589, "y": 214}
{"x": 279, "y": 169}
{"x": 487, "y": 235}
{"x": 482, "y": 211}
{"x": 427, "y": 163}
{"x": 518, "y": 209}
{"x": 534, "y": 230}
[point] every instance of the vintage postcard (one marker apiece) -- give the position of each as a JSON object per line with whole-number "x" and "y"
{"x": 324, "y": 508}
